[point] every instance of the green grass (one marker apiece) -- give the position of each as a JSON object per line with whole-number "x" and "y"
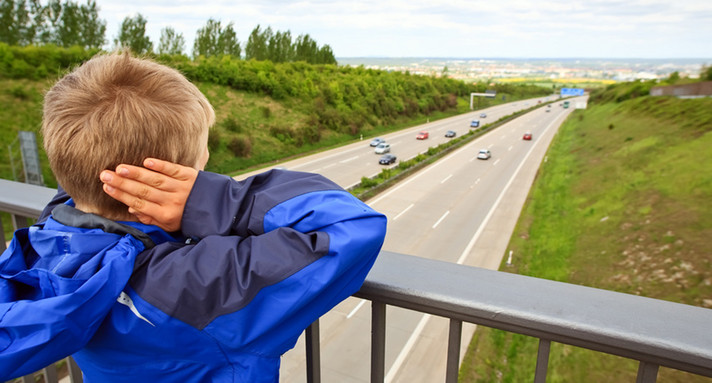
{"x": 623, "y": 204}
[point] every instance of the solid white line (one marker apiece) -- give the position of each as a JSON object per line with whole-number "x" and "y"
{"x": 446, "y": 178}
{"x": 353, "y": 312}
{"x": 403, "y": 212}
{"x": 482, "y": 226}
{"x": 441, "y": 219}
{"x": 406, "y": 349}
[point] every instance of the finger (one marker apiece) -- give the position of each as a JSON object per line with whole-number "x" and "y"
{"x": 137, "y": 204}
{"x": 128, "y": 186}
{"x": 145, "y": 176}
{"x": 170, "y": 169}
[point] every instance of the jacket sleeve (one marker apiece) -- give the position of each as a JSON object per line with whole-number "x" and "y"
{"x": 276, "y": 252}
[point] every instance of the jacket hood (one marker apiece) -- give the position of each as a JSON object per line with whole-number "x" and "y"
{"x": 58, "y": 282}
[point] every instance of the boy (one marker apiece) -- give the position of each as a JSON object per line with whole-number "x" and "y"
{"x": 202, "y": 278}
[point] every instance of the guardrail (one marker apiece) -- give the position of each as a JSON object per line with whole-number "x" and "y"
{"x": 654, "y": 332}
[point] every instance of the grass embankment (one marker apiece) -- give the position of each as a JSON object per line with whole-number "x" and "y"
{"x": 622, "y": 203}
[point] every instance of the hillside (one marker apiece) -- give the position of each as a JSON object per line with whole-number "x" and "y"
{"x": 623, "y": 204}
{"x": 266, "y": 112}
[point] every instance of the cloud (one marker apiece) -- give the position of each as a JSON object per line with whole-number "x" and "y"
{"x": 454, "y": 28}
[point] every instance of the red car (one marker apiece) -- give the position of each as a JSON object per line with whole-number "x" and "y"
{"x": 422, "y": 136}
{"x": 527, "y": 136}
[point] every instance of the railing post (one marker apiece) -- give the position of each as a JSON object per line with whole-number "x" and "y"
{"x": 50, "y": 374}
{"x": 378, "y": 341}
{"x": 2, "y": 237}
{"x": 75, "y": 374}
{"x": 647, "y": 372}
{"x": 542, "y": 361}
{"x": 313, "y": 353}
{"x": 453, "y": 351}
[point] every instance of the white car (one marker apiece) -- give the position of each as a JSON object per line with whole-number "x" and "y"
{"x": 383, "y": 148}
{"x": 484, "y": 154}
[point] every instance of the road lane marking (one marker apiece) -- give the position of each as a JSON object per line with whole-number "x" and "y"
{"x": 353, "y": 312}
{"x": 406, "y": 350}
{"x": 490, "y": 146}
{"x": 348, "y": 159}
{"x": 426, "y": 317}
{"x": 441, "y": 219}
{"x": 510, "y": 148}
{"x": 476, "y": 182}
{"x": 403, "y": 212}
{"x": 481, "y": 228}
{"x": 446, "y": 178}
{"x": 495, "y": 162}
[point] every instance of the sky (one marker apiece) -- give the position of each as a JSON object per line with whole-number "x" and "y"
{"x": 452, "y": 28}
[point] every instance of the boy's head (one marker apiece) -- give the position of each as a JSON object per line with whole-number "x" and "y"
{"x": 118, "y": 109}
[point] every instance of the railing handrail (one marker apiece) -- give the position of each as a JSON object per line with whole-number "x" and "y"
{"x": 649, "y": 330}
{"x": 655, "y": 332}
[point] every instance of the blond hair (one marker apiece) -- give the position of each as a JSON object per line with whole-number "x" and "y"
{"x": 118, "y": 109}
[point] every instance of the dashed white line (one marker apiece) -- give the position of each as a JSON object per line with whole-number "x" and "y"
{"x": 348, "y": 159}
{"x": 403, "y": 212}
{"x": 510, "y": 148}
{"x": 446, "y": 178}
{"x": 495, "y": 163}
{"x": 441, "y": 219}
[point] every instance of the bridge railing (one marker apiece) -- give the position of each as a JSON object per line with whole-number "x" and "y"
{"x": 654, "y": 332}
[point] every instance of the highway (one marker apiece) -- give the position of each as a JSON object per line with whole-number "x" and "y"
{"x": 347, "y": 164}
{"x": 459, "y": 209}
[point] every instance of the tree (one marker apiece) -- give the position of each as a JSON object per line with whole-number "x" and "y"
{"x": 92, "y": 28}
{"x": 16, "y": 27}
{"x": 706, "y": 73}
{"x": 171, "y": 43}
{"x": 280, "y": 47}
{"x": 212, "y": 40}
{"x": 228, "y": 43}
{"x": 256, "y": 47}
{"x": 325, "y": 55}
{"x": 132, "y": 34}
{"x": 206, "y": 39}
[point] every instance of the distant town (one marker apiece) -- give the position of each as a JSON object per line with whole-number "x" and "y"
{"x": 558, "y": 70}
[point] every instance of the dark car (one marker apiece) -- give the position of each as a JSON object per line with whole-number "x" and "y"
{"x": 387, "y": 159}
{"x": 450, "y": 133}
{"x": 475, "y": 124}
{"x": 377, "y": 141}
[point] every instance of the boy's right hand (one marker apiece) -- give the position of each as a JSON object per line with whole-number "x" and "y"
{"x": 156, "y": 194}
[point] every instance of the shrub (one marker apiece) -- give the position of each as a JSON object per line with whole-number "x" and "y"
{"x": 232, "y": 125}
{"x": 240, "y": 146}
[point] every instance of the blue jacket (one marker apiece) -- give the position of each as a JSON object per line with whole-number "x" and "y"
{"x": 255, "y": 263}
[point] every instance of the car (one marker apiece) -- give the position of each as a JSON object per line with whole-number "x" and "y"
{"x": 377, "y": 141}
{"x": 483, "y": 115}
{"x": 475, "y": 124}
{"x": 422, "y": 135}
{"x": 387, "y": 159}
{"x": 527, "y": 136}
{"x": 450, "y": 133}
{"x": 484, "y": 154}
{"x": 383, "y": 148}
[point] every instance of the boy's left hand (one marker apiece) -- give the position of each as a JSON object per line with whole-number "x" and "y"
{"x": 156, "y": 194}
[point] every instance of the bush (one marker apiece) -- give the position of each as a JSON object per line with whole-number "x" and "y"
{"x": 240, "y": 146}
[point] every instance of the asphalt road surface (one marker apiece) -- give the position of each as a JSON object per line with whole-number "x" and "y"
{"x": 460, "y": 209}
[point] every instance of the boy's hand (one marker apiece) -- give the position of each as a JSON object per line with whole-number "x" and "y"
{"x": 156, "y": 196}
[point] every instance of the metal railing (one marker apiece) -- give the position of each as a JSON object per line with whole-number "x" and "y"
{"x": 654, "y": 332}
